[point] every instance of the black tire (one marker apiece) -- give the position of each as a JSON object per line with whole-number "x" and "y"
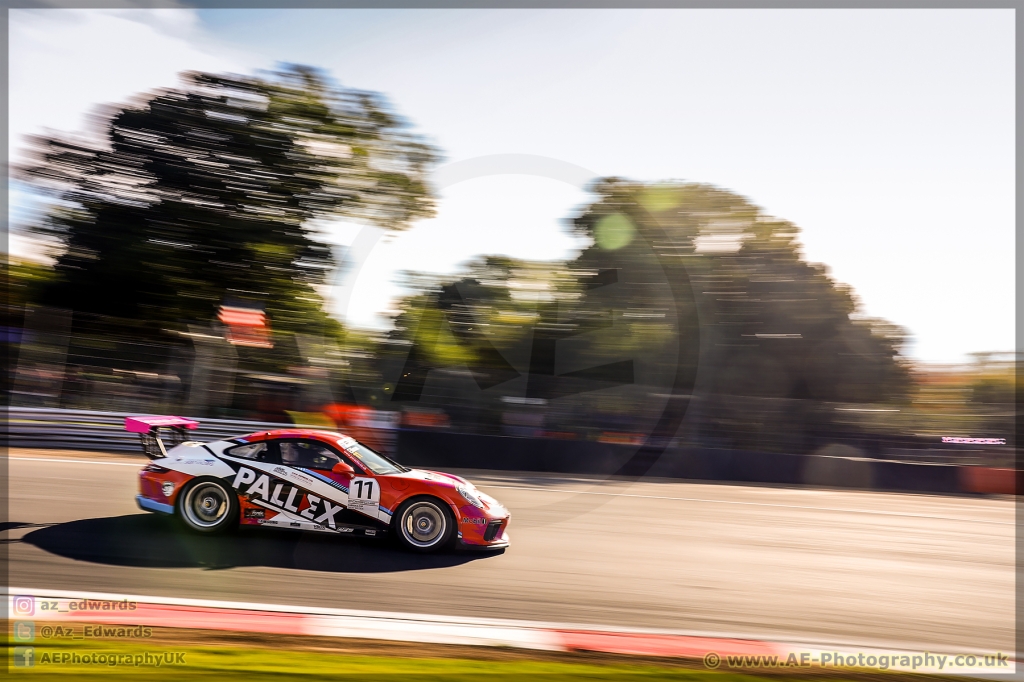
{"x": 424, "y": 524}
{"x": 207, "y": 506}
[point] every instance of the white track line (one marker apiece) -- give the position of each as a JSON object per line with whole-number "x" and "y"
{"x": 277, "y": 608}
{"x": 393, "y": 616}
{"x": 753, "y": 504}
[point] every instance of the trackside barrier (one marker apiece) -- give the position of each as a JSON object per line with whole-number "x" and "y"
{"x": 89, "y": 430}
{"x": 725, "y": 651}
{"x": 439, "y": 449}
{"x": 30, "y": 427}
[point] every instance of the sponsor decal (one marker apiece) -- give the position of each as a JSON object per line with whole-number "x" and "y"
{"x": 974, "y": 441}
{"x": 294, "y": 524}
{"x": 466, "y": 519}
{"x": 281, "y": 470}
{"x": 346, "y": 529}
{"x": 201, "y": 462}
{"x": 370, "y": 532}
{"x": 167, "y": 488}
{"x": 258, "y": 486}
{"x": 255, "y": 513}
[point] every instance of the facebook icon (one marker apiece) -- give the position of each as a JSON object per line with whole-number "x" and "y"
{"x": 24, "y": 656}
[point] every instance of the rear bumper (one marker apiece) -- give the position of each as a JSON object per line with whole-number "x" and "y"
{"x": 147, "y": 504}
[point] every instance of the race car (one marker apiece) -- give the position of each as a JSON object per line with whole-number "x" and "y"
{"x": 312, "y": 480}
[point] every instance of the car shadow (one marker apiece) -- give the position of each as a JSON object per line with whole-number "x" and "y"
{"x": 152, "y": 541}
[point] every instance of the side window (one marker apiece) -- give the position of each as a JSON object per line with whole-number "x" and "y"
{"x": 255, "y": 451}
{"x": 307, "y": 454}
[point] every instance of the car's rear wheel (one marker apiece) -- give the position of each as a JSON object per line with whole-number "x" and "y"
{"x": 424, "y": 524}
{"x": 208, "y": 506}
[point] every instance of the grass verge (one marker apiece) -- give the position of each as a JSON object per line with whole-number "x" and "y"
{"x": 226, "y": 657}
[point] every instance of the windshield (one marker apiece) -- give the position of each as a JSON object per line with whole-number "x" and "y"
{"x": 375, "y": 462}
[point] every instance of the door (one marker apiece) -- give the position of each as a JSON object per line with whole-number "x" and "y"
{"x": 312, "y": 457}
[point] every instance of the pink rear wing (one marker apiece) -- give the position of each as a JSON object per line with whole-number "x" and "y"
{"x": 148, "y": 429}
{"x": 147, "y": 424}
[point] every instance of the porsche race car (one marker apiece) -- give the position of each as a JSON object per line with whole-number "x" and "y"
{"x": 312, "y": 480}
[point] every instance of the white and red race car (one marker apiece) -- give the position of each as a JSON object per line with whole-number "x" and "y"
{"x": 313, "y": 480}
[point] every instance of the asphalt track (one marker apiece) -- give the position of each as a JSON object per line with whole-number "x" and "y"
{"x": 878, "y": 569}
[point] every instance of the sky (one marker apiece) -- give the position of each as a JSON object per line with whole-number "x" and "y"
{"x": 887, "y": 136}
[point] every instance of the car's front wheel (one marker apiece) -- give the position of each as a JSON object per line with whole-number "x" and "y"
{"x": 208, "y": 506}
{"x": 424, "y": 524}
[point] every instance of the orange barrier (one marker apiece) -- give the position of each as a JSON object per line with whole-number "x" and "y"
{"x": 988, "y": 480}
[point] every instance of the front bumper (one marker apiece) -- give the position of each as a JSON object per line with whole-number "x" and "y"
{"x": 497, "y": 545}
{"x": 147, "y": 504}
{"x": 482, "y": 530}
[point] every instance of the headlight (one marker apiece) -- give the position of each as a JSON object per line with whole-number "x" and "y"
{"x": 470, "y": 497}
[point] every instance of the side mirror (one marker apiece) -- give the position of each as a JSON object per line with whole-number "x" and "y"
{"x": 342, "y": 468}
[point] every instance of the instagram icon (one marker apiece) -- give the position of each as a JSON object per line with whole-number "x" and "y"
{"x": 24, "y": 606}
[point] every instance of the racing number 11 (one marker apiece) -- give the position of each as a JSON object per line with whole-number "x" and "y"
{"x": 364, "y": 496}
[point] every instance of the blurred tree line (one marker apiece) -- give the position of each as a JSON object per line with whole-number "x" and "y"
{"x": 770, "y": 338}
{"x": 209, "y": 195}
{"x": 206, "y": 194}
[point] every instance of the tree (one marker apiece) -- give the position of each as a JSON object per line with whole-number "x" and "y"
{"x": 777, "y": 325}
{"x": 778, "y": 337}
{"x": 208, "y": 193}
